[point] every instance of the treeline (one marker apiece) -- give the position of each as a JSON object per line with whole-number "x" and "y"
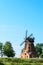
{"x": 6, "y": 49}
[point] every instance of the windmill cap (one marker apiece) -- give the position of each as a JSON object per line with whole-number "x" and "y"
{"x": 30, "y": 39}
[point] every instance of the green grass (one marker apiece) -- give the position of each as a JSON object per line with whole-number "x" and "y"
{"x": 19, "y": 61}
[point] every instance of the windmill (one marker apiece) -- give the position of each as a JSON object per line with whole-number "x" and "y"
{"x": 29, "y": 50}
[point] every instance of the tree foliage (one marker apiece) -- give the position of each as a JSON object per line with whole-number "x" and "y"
{"x": 1, "y": 49}
{"x": 1, "y": 45}
{"x": 8, "y": 49}
{"x": 41, "y": 55}
{"x": 39, "y": 47}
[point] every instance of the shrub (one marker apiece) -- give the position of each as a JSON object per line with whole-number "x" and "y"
{"x": 41, "y": 55}
{"x": 1, "y": 63}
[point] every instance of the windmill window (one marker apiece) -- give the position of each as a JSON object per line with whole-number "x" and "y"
{"x": 25, "y": 53}
{"x": 29, "y": 47}
{"x": 27, "y": 56}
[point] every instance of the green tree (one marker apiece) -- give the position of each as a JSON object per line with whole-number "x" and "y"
{"x": 41, "y": 55}
{"x": 1, "y": 49}
{"x": 39, "y": 48}
{"x": 8, "y": 49}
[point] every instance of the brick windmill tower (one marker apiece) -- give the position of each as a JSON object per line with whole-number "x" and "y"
{"x": 29, "y": 50}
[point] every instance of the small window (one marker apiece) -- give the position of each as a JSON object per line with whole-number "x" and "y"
{"x": 25, "y": 53}
{"x": 27, "y": 56}
{"x": 29, "y": 47}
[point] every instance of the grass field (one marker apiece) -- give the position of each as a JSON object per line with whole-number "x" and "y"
{"x": 19, "y": 61}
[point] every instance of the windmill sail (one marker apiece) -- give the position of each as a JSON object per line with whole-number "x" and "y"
{"x": 26, "y": 35}
{"x": 24, "y": 40}
{"x": 30, "y": 35}
{"x": 22, "y": 43}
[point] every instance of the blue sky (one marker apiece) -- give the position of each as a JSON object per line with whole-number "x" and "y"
{"x": 17, "y": 16}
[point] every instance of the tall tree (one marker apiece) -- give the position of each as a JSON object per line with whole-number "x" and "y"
{"x": 1, "y": 49}
{"x": 39, "y": 47}
{"x": 8, "y": 49}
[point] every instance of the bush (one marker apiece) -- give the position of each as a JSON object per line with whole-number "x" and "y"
{"x": 1, "y": 63}
{"x": 41, "y": 55}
